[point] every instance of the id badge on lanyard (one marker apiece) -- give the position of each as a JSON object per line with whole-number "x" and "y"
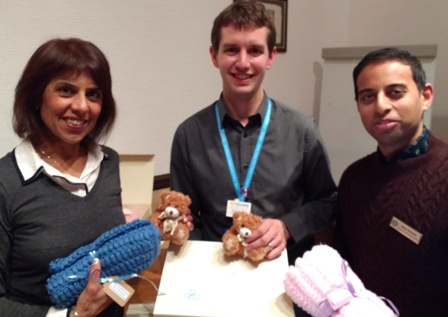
{"x": 240, "y": 203}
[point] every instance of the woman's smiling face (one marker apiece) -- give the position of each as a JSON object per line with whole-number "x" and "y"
{"x": 70, "y": 108}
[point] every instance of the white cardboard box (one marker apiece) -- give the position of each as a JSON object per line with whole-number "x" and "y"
{"x": 198, "y": 281}
{"x": 137, "y": 181}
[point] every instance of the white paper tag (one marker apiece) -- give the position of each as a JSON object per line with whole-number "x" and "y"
{"x": 236, "y": 205}
{"x": 406, "y": 230}
{"x": 120, "y": 292}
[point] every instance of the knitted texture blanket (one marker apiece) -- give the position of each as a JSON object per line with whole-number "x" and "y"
{"x": 124, "y": 250}
{"x": 323, "y": 285}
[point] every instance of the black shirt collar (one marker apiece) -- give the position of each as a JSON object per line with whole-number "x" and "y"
{"x": 420, "y": 146}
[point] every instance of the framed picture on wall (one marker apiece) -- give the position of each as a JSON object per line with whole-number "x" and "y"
{"x": 278, "y": 11}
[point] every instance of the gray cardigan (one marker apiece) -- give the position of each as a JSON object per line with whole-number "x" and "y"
{"x": 40, "y": 221}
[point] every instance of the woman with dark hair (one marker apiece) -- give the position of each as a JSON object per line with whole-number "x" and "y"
{"x": 59, "y": 189}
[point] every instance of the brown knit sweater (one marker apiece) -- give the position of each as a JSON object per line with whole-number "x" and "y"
{"x": 414, "y": 277}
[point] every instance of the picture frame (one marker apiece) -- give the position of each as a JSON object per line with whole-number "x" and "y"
{"x": 278, "y": 11}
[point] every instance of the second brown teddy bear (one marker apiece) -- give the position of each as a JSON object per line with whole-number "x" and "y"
{"x": 234, "y": 240}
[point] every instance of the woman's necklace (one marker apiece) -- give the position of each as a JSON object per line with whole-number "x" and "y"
{"x": 74, "y": 165}
{"x": 49, "y": 159}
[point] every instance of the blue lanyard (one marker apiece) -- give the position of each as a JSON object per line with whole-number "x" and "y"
{"x": 241, "y": 193}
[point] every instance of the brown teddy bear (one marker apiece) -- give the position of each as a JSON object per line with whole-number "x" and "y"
{"x": 168, "y": 217}
{"x": 234, "y": 240}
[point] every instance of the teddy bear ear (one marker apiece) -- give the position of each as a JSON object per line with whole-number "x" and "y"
{"x": 163, "y": 196}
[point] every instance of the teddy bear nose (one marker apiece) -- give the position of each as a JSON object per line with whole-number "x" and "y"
{"x": 171, "y": 212}
{"x": 245, "y": 232}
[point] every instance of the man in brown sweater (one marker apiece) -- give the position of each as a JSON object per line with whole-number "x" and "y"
{"x": 392, "y": 225}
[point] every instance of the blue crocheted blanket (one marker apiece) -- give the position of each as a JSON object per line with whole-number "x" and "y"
{"x": 124, "y": 250}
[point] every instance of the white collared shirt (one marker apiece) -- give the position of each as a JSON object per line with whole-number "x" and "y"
{"x": 30, "y": 164}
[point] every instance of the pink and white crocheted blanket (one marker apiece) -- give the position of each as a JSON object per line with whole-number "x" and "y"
{"x": 323, "y": 285}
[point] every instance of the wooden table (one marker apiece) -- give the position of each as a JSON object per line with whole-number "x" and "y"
{"x": 144, "y": 291}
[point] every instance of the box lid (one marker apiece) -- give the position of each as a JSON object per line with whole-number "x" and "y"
{"x": 137, "y": 180}
{"x": 197, "y": 280}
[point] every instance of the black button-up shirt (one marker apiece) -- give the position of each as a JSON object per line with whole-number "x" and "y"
{"x": 292, "y": 179}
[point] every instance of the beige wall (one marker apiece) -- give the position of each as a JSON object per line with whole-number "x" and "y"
{"x": 162, "y": 72}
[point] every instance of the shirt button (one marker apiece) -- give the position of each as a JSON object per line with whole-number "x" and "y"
{"x": 246, "y": 167}
{"x": 245, "y": 134}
